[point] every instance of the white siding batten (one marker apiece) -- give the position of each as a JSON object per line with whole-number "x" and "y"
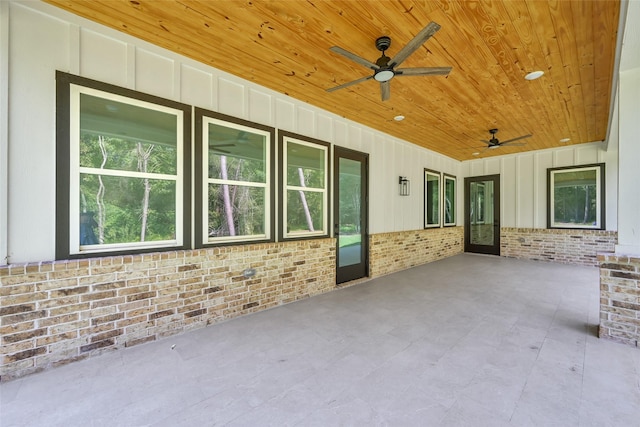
{"x": 4, "y": 128}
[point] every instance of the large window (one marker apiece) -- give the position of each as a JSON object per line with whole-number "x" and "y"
{"x": 235, "y": 168}
{"x": 305, "y": 187}
{"x": 431, "y": 199}
{"x": 122, "y": 165}
{"x": 576, "y": 197}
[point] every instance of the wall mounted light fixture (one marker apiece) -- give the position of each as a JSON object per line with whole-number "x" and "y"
{"x": 404, "y": 186}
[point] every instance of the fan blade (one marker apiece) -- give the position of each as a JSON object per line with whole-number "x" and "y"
{"x": 354, "y": 57}
{"x": 241, "y": 138}
{"x": 385, "y": 89}
{"x": 511, "y": 144}
{"x": 350, "y": 83}
{"x": 514, "y": 139}
{"x": 219, "y": 150}
{"x": 414, "y": 44}
{"x": 423, "y": 71}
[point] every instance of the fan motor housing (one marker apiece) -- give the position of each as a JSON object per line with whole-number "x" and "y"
{"x": 383, "y": 43}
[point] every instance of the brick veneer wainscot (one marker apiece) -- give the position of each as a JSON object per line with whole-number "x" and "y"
{"x": 620, "y": 298}
{"x": 578, "y": 247}
{"x": 52, "y": 313}
{"x": 391, "y": 252}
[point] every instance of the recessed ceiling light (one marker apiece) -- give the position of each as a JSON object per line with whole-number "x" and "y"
{"x": 534, "y": 75}
{"x": 398, "y": 118}
{"x": 565, "y": 140}
{"x": 477, "y": 153}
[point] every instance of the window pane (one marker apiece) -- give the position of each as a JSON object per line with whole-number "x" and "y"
{"x": 227, "y": 167}
{"x": 481, "y": 215}
{"x": 575, "y": 196}
{"x": 236, "y": 210}
{"x": 125, "y": 210}
{"x": 350, "y": 213}
{"x": 432, "y": 199}
{"x": 449, "y": 201}
{"x": 119, "y": 136}
{"x": 243, "y": 154}
{"x": 304, "y": 211}
{"x": 305, "y": 166}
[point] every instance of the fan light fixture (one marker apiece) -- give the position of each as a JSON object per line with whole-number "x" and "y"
{"x": 384, "y": 68}
{"x": 384, "y": 75}
{"x": 494, "y": 142}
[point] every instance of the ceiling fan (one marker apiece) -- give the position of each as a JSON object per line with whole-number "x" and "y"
{"x": 384, "y": 69}
{"x": 495, "y": 142}
{"x": 242, "y": 138}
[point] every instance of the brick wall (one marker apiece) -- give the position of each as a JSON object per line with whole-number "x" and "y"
{"x": 580, "y": 247}
{"x": 620, "y": 298}
{"x": 52, "y": 313}
{"x": 391, "y": 252}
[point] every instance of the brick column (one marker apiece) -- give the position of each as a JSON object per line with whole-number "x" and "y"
{"x": 620, "y": 298}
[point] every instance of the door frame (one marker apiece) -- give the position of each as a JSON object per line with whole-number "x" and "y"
{"x": 355, "y": 271}
{"x": 482, "y": 249}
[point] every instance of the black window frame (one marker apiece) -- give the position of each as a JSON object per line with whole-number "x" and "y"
{"x": 63, "y": 165}
{"x": 445, "y": 177}
{"x": 199, "y": 115}
{"x": 602, "y": 195}
{"x": 439, "y": 210}
{"x": 282, "y": 169}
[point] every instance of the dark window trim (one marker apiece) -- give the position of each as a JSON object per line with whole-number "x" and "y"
{"x": 602, "y": 196}
{"x": 282, "y": 221}
{"x": 424, "y": 196}
{"x": 63, "y": 163}
{"x": 455, "y": 202}
{"x": 200, "y": 113}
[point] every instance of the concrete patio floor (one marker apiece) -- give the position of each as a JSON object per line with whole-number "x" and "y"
{"x": 466, "y": 341}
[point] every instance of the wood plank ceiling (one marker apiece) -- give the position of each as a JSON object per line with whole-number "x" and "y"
{"x": 491, "y": 45}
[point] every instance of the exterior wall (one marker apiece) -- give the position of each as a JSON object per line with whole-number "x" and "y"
{"x": 52, "y": 313}
{"x": 620, "y": 271}
{"x": 629, "y": 149}
{"x": 56, "y": 312}
{"x": 39, "y": 39}
{"x": 620, "y": 298}
{"x": 391, "y": 252}
{"x": 579, "y": 247}
{"x": 523, "y": 181}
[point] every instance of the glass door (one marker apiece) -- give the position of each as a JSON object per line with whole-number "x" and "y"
{"x": 482, "y": 214}
{"x": 350, "y": 214}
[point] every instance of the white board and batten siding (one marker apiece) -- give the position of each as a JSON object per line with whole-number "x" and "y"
{"x": 39, "y": 39}
{"x": 523, "y": 181}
